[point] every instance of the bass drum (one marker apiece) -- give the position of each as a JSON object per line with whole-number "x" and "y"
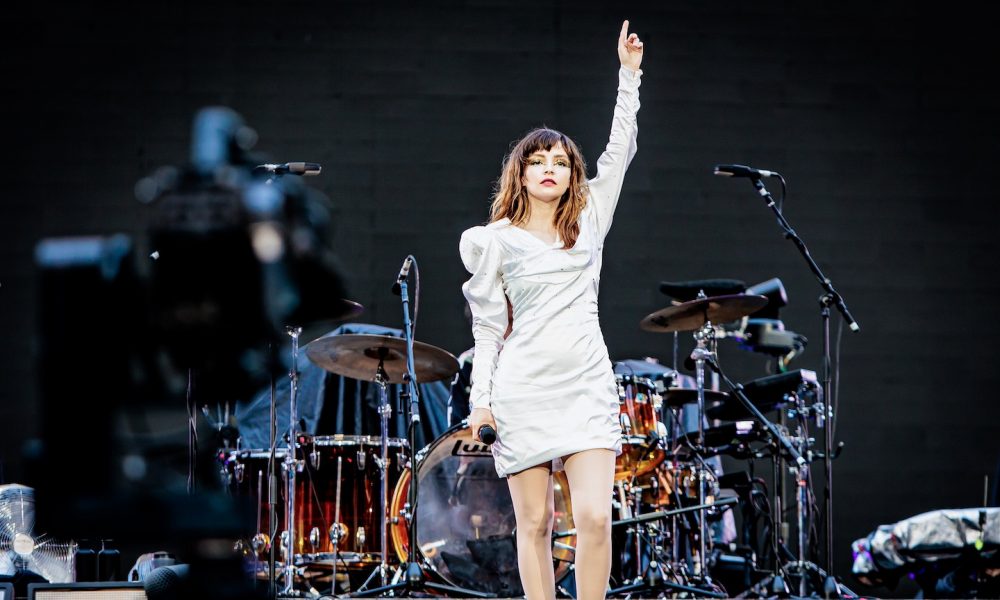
{"x": 465, "y": 517}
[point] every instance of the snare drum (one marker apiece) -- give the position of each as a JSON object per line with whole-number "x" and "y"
{"x": 638, "y": 409}
{"x": 465, "y": 517}
{"x": 337, "y": 475}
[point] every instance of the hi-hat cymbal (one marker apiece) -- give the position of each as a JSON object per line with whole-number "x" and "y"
{"x": 689, "y": 316}
{"x": 357, "y": 356}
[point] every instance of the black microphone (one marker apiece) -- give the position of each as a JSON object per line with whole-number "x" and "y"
{"x": 743, "y": 171}
{"x": 293, "y": 168}
{"x": 404, "y": 272}
{"x": 487, "y": 434}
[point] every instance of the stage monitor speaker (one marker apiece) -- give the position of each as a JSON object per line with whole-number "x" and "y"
{"x": 6, "y": 591}
{"x": 86, "y": 591}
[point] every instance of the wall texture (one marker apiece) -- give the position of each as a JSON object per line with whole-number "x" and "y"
{"x": 882, "y": 118}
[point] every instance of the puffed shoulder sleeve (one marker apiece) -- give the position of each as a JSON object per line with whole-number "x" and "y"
{"x": 481, "y": 255}
{"x": 607, "y": 185}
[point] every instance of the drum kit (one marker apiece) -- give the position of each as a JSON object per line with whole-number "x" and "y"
{"x": 365, "y": 511}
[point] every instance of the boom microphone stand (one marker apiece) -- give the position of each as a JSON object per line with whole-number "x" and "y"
{"x": 831, "y": 588}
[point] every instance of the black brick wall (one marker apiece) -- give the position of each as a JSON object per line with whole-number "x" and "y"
{"x": 883, "y": 119}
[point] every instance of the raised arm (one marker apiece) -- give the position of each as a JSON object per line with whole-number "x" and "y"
{"x": 611, "y": 166}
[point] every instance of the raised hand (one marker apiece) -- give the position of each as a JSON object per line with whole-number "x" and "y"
{"x": 629, "y": 48}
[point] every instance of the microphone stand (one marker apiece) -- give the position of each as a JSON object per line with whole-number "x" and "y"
{"x": 413, "y": 575}
{"x": 831, "y": 588}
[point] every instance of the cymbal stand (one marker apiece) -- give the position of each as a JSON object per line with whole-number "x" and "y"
{"x": 381, "y": 380}
{"x": 703, "y": 338}
{"x": 260, "y": 540}
{"x": 291, "y": 463}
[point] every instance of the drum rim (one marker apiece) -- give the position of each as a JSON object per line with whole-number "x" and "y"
{"x": 336, "y": 440}
{"x": 341, "y": 439}
{"x": 422, "y": 454}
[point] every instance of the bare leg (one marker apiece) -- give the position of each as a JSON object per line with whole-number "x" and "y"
{"x": 531, "y": 491}
{"x": 591, "y": 475}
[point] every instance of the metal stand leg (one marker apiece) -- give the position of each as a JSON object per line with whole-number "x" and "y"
{"x": 384, "y": 411}
{"x": 291, "y": 464}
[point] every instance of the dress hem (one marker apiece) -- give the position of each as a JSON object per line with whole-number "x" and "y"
{"x": 555, "y": 458}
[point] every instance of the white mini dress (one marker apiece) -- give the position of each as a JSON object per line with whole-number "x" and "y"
{"x": 550, "y": 384}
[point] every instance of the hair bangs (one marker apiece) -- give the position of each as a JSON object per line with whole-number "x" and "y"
{"x": 543, "y": 139}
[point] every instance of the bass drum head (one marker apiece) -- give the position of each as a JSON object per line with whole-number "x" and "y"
{"x": 465, "y": 517}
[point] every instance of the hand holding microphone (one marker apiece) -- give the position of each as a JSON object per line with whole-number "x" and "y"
{"x": 487, "y": 434}
{"x": 484, "y": 428}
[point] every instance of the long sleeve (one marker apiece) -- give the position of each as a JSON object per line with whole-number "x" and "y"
{"x": 480, "y": 253}
{"x": 607, "y": 185}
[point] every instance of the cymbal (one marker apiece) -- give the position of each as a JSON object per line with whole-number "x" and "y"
{"x": 357, "y": 356}
{"x": 689, "y": 316}
{"x": 676, "y": 397}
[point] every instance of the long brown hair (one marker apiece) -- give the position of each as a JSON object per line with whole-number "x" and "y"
{"x": 510, "y": 199}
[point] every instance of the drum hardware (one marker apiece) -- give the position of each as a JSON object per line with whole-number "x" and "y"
{"x": 291, "y": 465}
{"x": 774, "y": 583}
{"x": 260, "y": 542}
{"x": 661, "y": 559}
{"x": 272, "y": 493}
{"x": 338, "y": 530}
{"x": 704, "y": 336}
{"x": 698, "y": 316}
{"x": 802, "y": 405}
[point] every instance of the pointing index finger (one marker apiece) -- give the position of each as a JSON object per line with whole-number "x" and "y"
{"x": 624, "y": 33}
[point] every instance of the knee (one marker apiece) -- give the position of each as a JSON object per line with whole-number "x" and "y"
{"x": 537, "y": 523}
{"x": 593, "y": 520}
